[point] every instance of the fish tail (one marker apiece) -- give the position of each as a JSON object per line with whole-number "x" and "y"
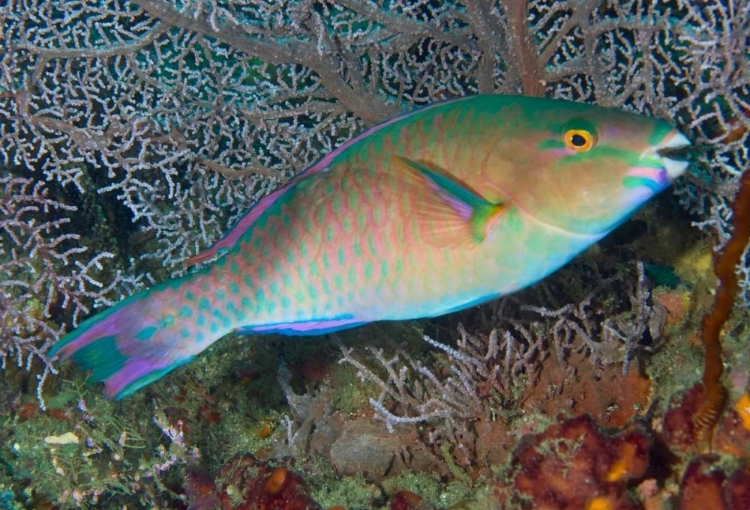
{"x": 144, "y": 337}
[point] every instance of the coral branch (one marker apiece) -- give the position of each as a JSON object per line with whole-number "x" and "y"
{"x": 713, "y": 392}
{"x": 530, "y": 68}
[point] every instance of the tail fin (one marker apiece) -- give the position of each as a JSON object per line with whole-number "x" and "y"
{"x": 142, "y": 338}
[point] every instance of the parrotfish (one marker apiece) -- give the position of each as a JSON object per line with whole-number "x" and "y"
{"x": 434, "y": 211}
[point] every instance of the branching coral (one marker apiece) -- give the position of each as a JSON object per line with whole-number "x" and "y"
{"x": 573, "y": 464}
{"x": 417, "y": 389}
{"x": 606, "y": 332}
{"x": 484, "y": 378}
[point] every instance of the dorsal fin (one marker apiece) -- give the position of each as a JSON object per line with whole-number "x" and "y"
{"x": 255, "y": 212}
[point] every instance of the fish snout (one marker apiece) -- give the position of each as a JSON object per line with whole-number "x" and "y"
{"x": 672, "y": 154}
{"x": 660, "y": 164}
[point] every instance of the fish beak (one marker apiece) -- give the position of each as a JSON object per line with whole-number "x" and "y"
{"x": 671, "y": 154}
{"x": 659, "y": 165}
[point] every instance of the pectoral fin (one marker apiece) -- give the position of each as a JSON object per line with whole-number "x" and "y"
{"x": 448, "y": 212}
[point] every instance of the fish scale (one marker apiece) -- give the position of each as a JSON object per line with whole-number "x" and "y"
{"x": 427, "y": 213}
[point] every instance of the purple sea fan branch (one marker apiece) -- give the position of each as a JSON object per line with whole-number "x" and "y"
{"x": 420, "y": 394}
{"x": 642, "y": 320}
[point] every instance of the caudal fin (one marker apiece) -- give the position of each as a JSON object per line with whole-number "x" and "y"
{"x": 140, "y": 339}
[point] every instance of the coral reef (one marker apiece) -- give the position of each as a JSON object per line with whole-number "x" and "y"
{"x": 468, "y": 401}
{"x": 705, "y": 485}
{"x": 573, "y": 464}
{"x": 84, "y": 454}
{"x": 407, "y": 500}
{"x": 248, "y": 484}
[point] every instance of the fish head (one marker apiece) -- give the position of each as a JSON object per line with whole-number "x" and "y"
{"x": 585, "y": 169}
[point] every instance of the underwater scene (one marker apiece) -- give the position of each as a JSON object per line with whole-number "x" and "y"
{"x": 375, "y": 254}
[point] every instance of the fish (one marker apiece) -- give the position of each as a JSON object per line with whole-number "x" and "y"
{"x": 437, "y": 210}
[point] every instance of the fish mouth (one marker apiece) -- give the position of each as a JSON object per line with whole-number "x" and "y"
{"x": 673, "y": 155}
{"x": 658, "y": 166}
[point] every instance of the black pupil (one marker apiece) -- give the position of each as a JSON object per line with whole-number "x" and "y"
{"x": 578, "y": 140}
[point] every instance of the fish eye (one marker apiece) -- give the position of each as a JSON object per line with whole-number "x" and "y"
{"x": 579, "y": 140}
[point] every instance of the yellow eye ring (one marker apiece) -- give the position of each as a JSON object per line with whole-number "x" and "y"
{"x": 579, "y": 140}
